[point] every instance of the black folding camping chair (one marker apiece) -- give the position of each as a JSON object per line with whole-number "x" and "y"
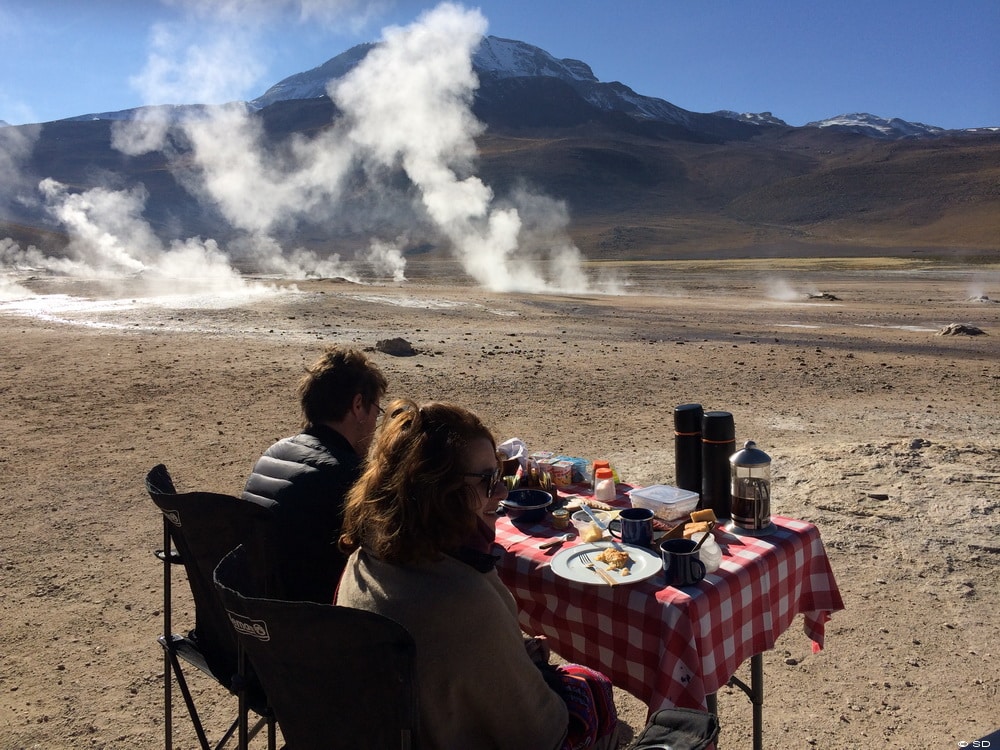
{"x": 338, "y": 678}
{"x": 199, "y": 529}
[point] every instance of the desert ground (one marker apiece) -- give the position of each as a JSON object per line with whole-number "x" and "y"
{"x": 882, "y": 432}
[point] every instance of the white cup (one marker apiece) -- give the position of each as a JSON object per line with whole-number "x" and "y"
{"x": 710, "y": 553}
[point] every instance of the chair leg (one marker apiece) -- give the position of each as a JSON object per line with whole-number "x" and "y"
{"x": 168, "y": 709}
{"x": 188, "y": 700}
{"x": 251, "y": 732}
{"x": 246, "y": 732}
{"x": 168, "y": 662}
{"x": 241, "y": 661}
{"x": 229, "y": 733}
{"x": 260, "y": 724}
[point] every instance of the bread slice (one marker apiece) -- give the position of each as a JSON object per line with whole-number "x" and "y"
{"x": 690, "y": 529}
{"x": 703, "y": 515}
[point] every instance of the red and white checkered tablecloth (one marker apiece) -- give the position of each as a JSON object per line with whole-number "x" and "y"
{"x": 669, "y": 646}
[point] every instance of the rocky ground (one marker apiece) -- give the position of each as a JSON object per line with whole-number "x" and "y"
{"x": 881, "y": 431}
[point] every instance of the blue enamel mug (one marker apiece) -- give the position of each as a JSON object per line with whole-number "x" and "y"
{"x": 633, "y": 526}
{"x": 681, "y": 563}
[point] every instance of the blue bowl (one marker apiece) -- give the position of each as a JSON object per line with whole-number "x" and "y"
{"x": 526, "y": 505}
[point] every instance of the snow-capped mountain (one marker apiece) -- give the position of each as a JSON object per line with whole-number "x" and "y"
{"x": 875, "y": 126}
{"x": 511, "y": 71}
{"x": 311, "y": 84}
{"x": 754, "y": 118}
{"x": 495, "y": 59}
{"x": 636, "y": 171}
{"x": 502, "y": 61}
{"x": 506, "y": 58}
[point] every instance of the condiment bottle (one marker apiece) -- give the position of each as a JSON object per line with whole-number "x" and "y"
{"x": 600, "y": 463}
{"x": 687, "y": 447}
{"x": 718, "y": 443}
{"x": 604, "y": 487}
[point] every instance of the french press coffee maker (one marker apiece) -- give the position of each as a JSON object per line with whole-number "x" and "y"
{"x": 751, "y": 491}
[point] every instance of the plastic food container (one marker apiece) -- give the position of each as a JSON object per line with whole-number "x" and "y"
{"x": 562, "y": 473}
{"x": 586, "y": 528}
{"x": 667, "y": 503}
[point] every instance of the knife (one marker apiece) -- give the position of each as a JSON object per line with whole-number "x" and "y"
{"x": 555, "y": 542}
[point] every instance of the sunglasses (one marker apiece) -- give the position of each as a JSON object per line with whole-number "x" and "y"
{"x": 490, "y": 479}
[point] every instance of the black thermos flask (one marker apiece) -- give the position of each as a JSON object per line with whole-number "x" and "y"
{"x": 718, "y": 443}
{"x": 687, "y": 447}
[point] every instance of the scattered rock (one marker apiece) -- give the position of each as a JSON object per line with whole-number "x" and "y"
{"x": 396, "y": 347}
{"x": 960, "y": 329}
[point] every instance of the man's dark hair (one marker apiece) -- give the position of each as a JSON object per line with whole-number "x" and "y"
{"x": 330, "y": 384}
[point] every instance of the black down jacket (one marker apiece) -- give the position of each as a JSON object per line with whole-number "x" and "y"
{"x": 308, "y": 475}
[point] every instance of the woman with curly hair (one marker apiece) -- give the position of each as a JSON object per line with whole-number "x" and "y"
{"x": 419, "y": 526}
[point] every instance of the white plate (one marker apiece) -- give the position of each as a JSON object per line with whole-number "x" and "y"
{"x": 566, "y": 563}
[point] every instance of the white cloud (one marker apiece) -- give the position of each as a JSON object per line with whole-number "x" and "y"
{"x": 198, "y": 64}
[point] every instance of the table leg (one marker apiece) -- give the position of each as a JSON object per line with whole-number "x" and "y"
{"x": 757, "y": 685}
{"x": 755, "y": 692}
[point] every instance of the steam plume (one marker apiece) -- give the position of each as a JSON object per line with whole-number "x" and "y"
{"x": 409, "y": 102}
{"x": 406, "y": 106}
{"x": 15, "y": 148}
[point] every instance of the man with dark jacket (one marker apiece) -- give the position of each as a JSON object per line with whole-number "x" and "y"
{"x": 308, "y": 474}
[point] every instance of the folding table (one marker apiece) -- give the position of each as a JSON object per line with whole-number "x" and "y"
{"x": 677, "y": 646}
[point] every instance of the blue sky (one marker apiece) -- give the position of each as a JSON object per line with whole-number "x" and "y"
{"x": 931, "y": 62}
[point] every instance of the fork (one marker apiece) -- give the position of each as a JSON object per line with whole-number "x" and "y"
{"x": 588, "y": 563}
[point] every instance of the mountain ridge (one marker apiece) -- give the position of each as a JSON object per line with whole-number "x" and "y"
{"x": 502, "y": 58}
{"x": 508, "y": 58}
{"x": 640, "y": 178}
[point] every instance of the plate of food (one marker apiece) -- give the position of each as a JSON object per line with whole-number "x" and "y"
{"x": 624, "y": 563}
